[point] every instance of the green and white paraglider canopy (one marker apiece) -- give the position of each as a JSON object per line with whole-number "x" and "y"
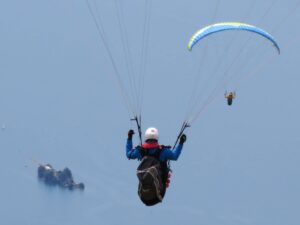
{"x": 226, "y": 26}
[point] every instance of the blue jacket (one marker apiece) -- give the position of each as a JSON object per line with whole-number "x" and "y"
{"x": 166, "y": 154}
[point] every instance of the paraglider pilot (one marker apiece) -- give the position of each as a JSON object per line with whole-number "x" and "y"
{"x": 229, "y": 96}
{"x": 151, "y": 154}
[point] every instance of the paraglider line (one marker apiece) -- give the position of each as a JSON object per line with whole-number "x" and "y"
{"x": 138, "y": 121}
{"x": 184, "y": 126}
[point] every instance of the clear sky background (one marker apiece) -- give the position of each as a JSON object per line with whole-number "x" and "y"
{"x": 60, "y": 104}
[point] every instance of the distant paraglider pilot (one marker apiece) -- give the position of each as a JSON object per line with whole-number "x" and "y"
{"x": 229, "y": 96}
{"x": 153, "y": 172}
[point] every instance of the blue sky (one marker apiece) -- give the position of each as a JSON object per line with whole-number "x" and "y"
{"x": 60, "y": 104}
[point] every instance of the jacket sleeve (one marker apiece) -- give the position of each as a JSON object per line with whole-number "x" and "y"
{"x": 132, "y": 153}
{"x": 169, "y": 154}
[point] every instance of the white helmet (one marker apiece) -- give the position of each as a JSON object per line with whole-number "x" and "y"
{"x": 151, "y": 133}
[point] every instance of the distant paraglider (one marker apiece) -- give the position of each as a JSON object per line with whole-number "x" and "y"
{"x": 223, "y": 52}
{"x": 230, "y": 96}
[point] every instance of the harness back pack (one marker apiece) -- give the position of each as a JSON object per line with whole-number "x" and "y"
{"x": 152, "y": 175}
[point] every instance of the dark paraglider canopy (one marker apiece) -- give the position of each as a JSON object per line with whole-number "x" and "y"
{"x": 54, "y": 177}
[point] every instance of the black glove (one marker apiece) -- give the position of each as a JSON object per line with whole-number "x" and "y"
{"x": 182, "y": 139}
{"x": 130, "y": 134}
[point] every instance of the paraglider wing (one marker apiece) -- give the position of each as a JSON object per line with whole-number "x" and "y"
{"x": 218, "y": 27}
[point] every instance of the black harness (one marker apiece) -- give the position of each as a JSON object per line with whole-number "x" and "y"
{"x": 165, "y": 169}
